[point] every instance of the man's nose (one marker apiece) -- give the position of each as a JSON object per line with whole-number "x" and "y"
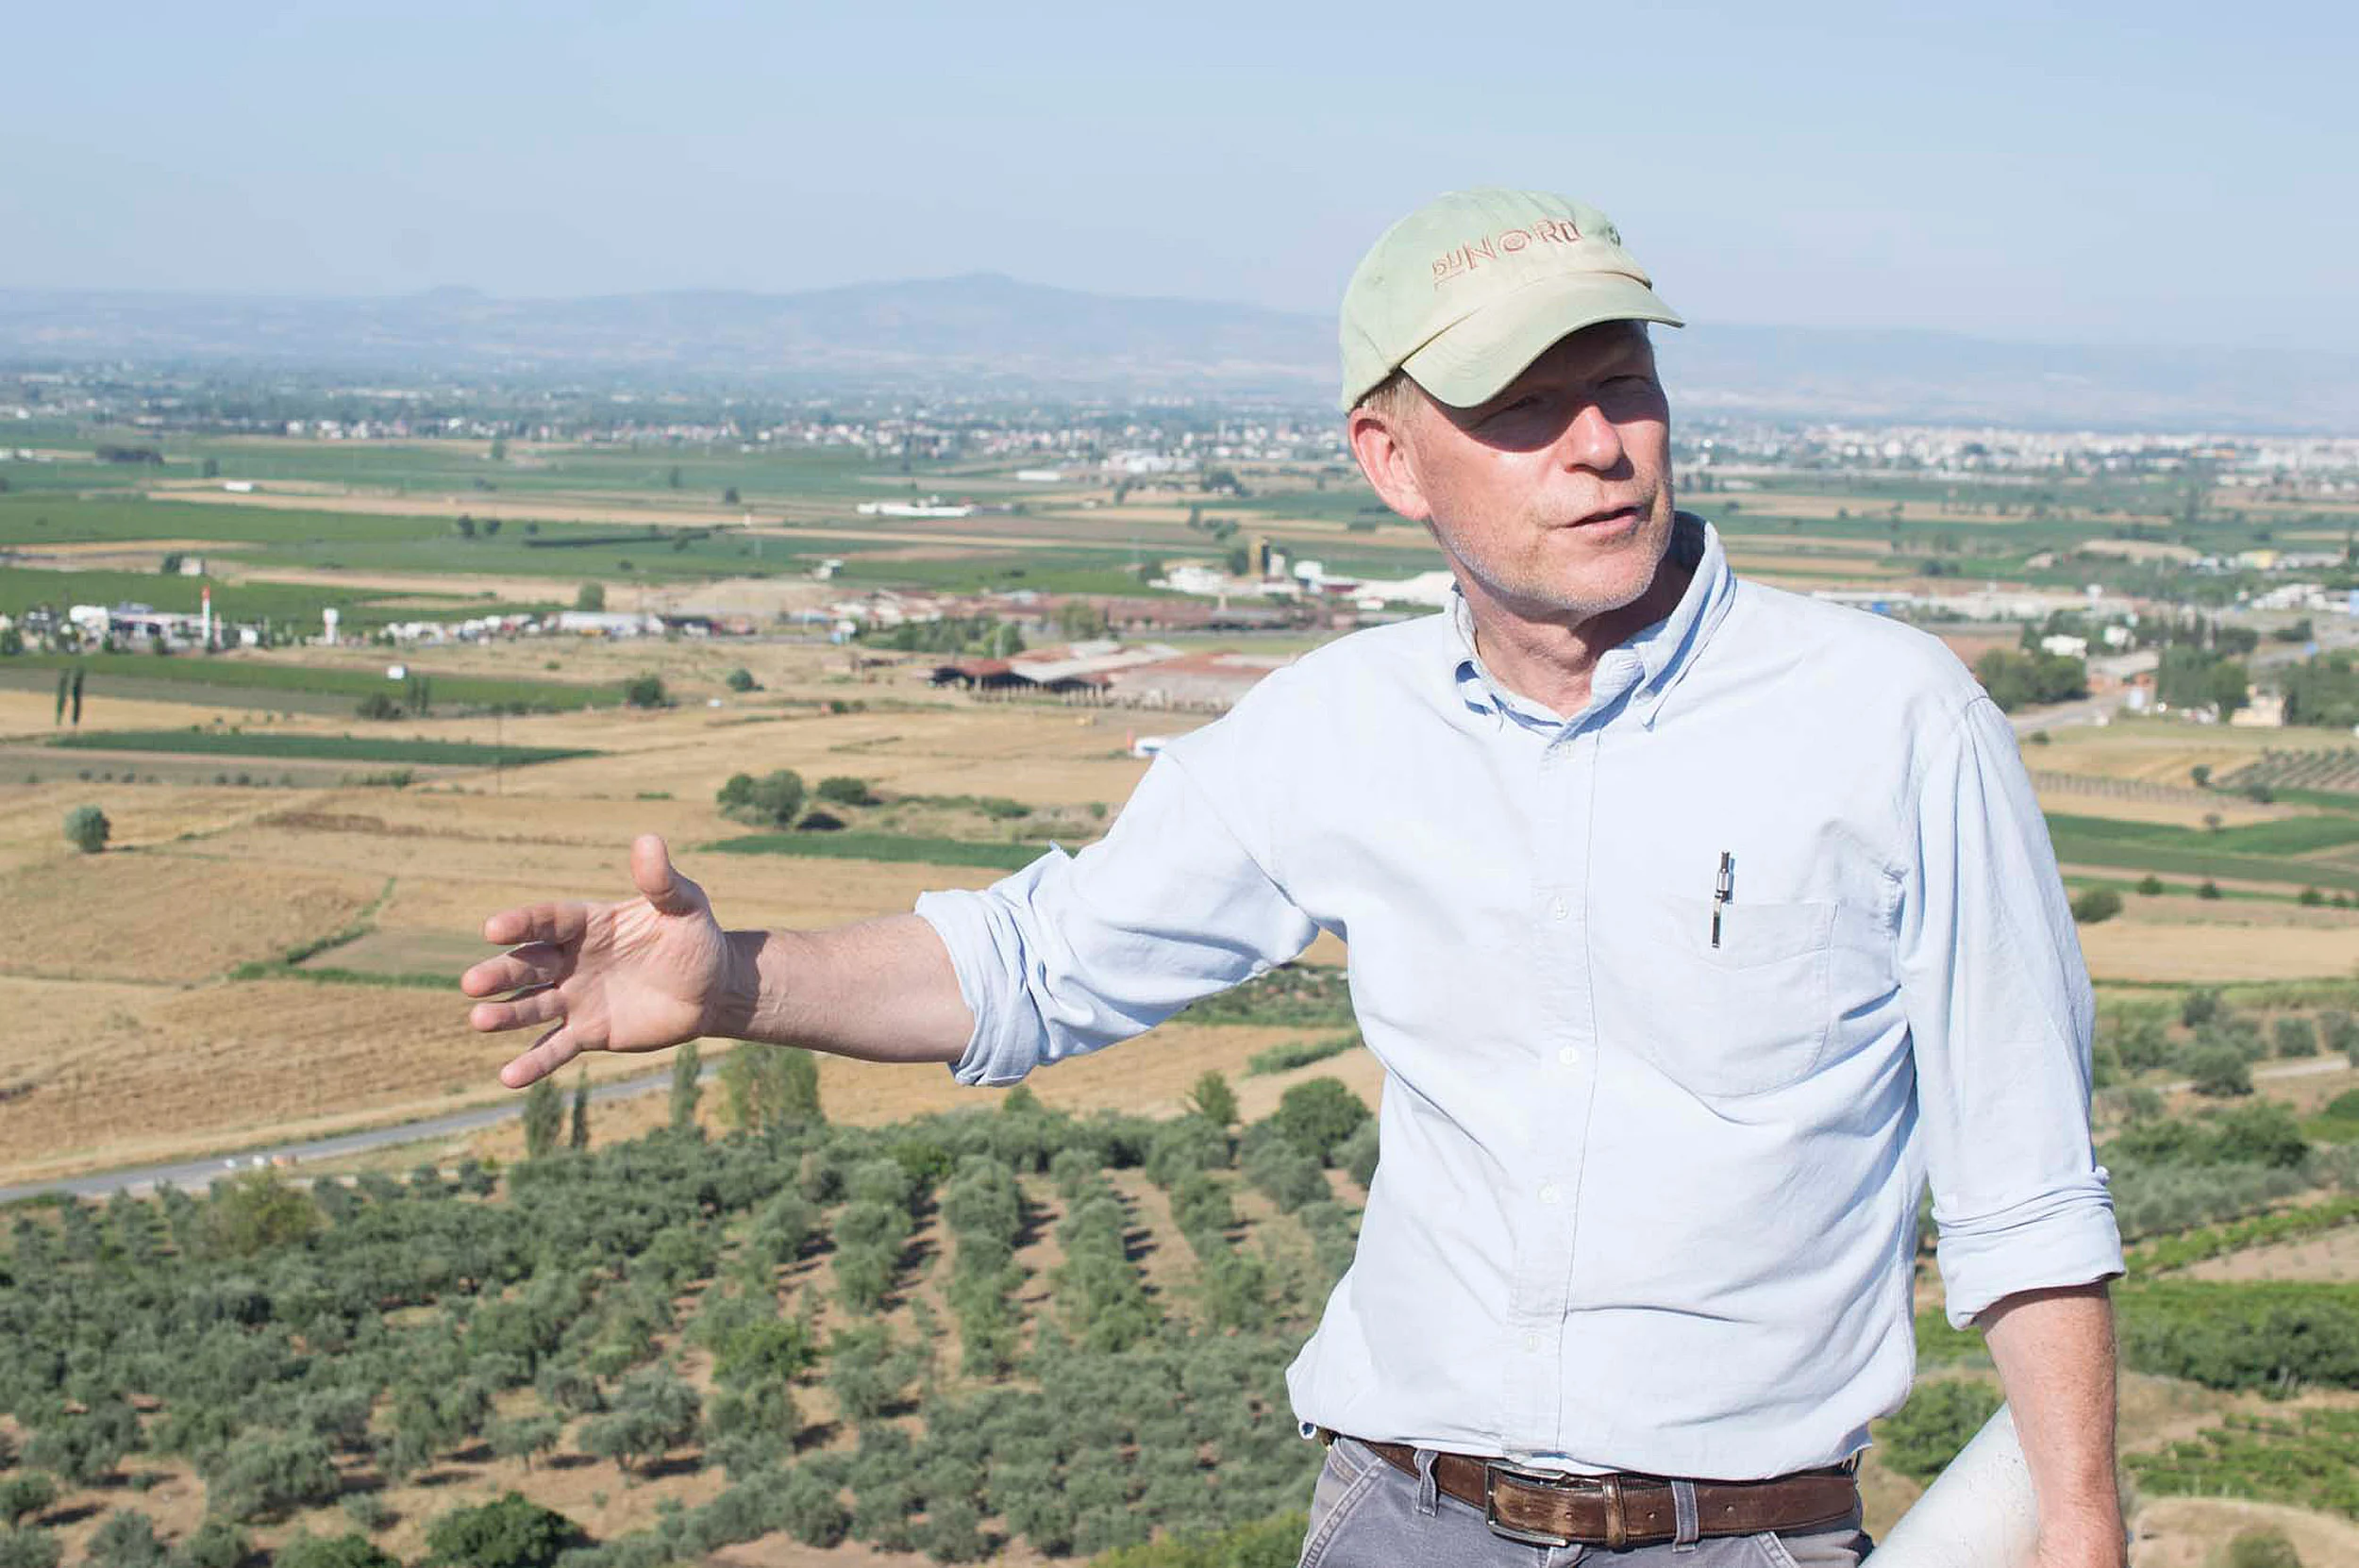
{"x": 1591, "y": 440}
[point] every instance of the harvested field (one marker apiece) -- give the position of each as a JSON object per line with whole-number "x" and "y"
{"x": 2135, "y": 948}
{"x": 2157, "y": 750}
{"x": 128, "y": 1075}
{"x": 2186, "y": 1532}
{"x": 2333, "y": 1257}
{"x": 32, "y": 817}
{"x": 29, "y": 711}
{"x": 165, "y": 916}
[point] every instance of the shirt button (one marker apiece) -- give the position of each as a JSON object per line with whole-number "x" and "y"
{"x": 1567, "y": 1055}
{"x": 1531, "y": 1341}
{"x": 1557, "y": 909}
{"x": 1547, "y": 1191}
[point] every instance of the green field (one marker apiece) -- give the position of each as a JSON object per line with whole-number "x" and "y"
{"x": 884, "y": 846}
{"x": 254, "y": 675}
{"x": 2286, "y": 836}
{"x": 357, "y": 542}
{"x": 330, "y": 749}
{"x": 24, "y": 588}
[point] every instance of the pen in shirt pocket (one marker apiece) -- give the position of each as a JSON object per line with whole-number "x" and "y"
{"x": 1723, "y": 890}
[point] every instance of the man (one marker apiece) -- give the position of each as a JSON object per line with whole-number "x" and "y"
{"x": 1695, "y": 923}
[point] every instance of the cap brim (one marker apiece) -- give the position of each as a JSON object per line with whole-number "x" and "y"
{"x": 1472, "y": 361}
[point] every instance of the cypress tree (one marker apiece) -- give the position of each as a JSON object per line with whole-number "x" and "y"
{"x": 542, "y": 1113}
{"x": 580, "y": 1138}
{"x": 686, "y": 1068}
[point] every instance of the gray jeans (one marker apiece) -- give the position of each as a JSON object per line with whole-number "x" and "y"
{"x": 1366, "y": 1513}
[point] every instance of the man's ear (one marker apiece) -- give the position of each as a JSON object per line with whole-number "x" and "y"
{"x": 1384, "y": 457}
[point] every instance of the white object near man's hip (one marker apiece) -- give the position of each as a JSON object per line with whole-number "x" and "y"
{"x": 1978, "y": 1513}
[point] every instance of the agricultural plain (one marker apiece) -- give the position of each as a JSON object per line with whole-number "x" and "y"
{"x": 265, "y": 949}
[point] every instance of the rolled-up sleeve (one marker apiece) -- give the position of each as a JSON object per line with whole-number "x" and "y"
{"x": 2000, "y": 1016}
{"x": 1074, "y": 953}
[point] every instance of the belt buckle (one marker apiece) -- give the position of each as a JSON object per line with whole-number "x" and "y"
{"x": 1610, "y": 1487}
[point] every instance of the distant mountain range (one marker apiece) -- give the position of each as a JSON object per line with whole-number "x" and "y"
{"x": 988, "y": 334}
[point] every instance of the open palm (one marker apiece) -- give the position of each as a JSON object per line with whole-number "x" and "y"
{"x": 637, "y": 975}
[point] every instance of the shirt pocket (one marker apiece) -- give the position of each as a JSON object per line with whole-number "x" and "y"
{"x": 1746, "y": 1015}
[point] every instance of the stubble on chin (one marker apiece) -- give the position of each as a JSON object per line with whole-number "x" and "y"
{"x": 1600, "y": 581}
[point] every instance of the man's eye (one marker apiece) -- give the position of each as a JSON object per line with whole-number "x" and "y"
{"x": 1521, "y": 404}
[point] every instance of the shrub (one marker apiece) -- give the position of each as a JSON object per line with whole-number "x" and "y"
{"x": 2218, "y": 1071}
{"x": 1284, "y": 1173}
{"x": 844, "y": 790}
{"x": 2263, "y": 1548}
{"x": 27, "y": 1495}
{"x": 1266, "y": 1543}
{"x": 815, "y": 1510}
{"x": 352, "y": 1550}
{"x": 29, "y": 1548}
{"x": 773, "y": 800}
{"x": 741, "y": 680}
{"x": 2096, "y": 904}
{"x": 1317, "y": 1116}
{"x": 820, "y": 822}
{"x": 2295, "y": 1037}
{"x": 126, "y": 1539}
{"x": 2207, "y": 888}
{"x": 2272, "y": 1336}
{"x": 369, "y": 1511}
{"x": 646, "y": 691}
{"x": 511, "y": 1532}
{"x": 590, "y": 596}
{"x": 1285, "y": 1058}
{"x": 1212, "y": 1099}
{"x": 654, "y": 1413}
{"x": 376, "y": 705}
{"x": 2149, "y": 884}
{"x": 264, "y": 1477}
{"x": 87, "y": 828}
{"x": 86, "y": 1448}
{"x": 1358, "y": 1155}
{"x": 1927, "y": 1432}
{"x": 2198, "y": 1007}
{"x": 216, "y": 1544}
{"x": 255, "y": 1212}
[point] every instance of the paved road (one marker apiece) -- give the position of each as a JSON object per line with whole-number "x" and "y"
{"x": 199, "y": 1173}
{"x": 2089, "y": 710}
{"x": 2311, "y": 1069}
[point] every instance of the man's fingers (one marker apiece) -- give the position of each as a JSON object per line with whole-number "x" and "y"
{"x": 533, "y": 1006}
{"x": 661, "y": 885}
{"x": 550, "y": 923}
{"x": 552, "y": 1051}
{"x": 533, "y": 964}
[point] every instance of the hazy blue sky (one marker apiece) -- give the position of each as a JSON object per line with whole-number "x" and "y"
{"x": 2120, "y": 172}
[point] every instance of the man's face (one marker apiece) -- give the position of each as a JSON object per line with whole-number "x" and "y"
{"x": 1553, "y": 498}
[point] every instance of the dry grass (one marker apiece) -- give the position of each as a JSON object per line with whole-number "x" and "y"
{"x": 2134, "y": 947}
{"x": 162, "y": 915}
{"x": 31, "y": 715}
{"x": 2332, "y": 1257}
{"x": 2160, "y": 751}
{"x": 2185, "y": 1532}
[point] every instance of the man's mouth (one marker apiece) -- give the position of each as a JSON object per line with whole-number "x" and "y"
{"x": 1605, "y": 518}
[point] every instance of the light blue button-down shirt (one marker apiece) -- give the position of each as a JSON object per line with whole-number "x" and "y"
{"x": 1646, "y": 1200}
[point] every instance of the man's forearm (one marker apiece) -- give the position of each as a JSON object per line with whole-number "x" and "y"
{"x": 2054, "y": 1350}
{"x": 880, "y": 990}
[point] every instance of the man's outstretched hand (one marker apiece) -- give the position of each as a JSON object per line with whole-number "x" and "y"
{"x": 650, "y": 972}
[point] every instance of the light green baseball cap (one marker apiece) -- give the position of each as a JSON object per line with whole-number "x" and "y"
{"x": 1469, "y": 289}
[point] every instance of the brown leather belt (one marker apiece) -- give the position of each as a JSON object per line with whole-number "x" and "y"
{"x": 1545, "y": 1509}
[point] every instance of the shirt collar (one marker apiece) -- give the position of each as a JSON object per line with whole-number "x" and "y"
{"x": 1662, "y": 652}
